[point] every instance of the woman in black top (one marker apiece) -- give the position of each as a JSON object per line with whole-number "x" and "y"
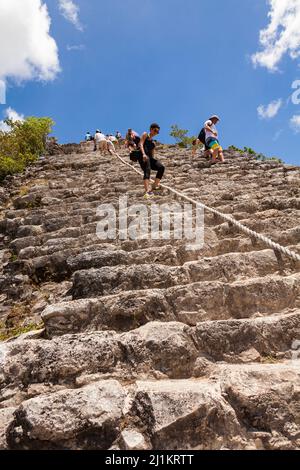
{"x": 148, "y": 162}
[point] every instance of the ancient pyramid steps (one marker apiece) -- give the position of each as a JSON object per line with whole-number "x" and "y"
{"x": 222, "y": 409}
{"x": 155, "y": 350}
{"x": 191, "y": 303}
{"x": 145, "y": 343}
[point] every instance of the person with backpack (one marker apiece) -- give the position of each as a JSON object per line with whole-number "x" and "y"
{"x": 201, "y": 140}
{"x": 211, "y": 139}
{"x": 148, "y": 162}
{"x": 132, "y": 140}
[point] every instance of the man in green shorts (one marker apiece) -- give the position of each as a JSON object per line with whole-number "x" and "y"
{"x": 211, "y": 139}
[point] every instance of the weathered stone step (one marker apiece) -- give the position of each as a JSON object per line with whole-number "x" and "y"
{"x": 55, "y": 262}
{"x": 248, "y": 340}
{"x": 171, "y": 349}
{"x": 183, "y": 183}
{"x": 283, "y": 237}
{"x": 166, "y": 414}
{"x": 290, "y": 236}
{"x": 233, "y": 174}
{"x": 239, "y": 299}
{"x": 286, "y": 237}
{"x": 62, "y": 264}
{"x": 151, "y": 349}
{"x": 190, "y": 304}
{"x": 19, "y": 229}
{"x": 232, "y": 170}
{"x": 38, "y": 215}
{"x": 259, "y": 221}
{"x": 228, "y": 268}
{"x": 270, "y": 224}
{"x": 279, "y": 203}
{"x": 166, "y": 254}
{"x": 85, "y": 190}
{"x": 27, "y": 247}
{"x": 93, "y": 427}
{"x": 213, "y": 246}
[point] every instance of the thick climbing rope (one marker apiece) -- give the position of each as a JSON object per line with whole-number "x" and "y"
{"x": 231, "y": 221}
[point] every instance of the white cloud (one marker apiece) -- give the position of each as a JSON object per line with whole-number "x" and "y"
{"x": 269, "y": 111}
{"x": 4, "y": 127}
{"x": 70, "y": 11}
{"x": 295, "y": 123}
{"x": 27, "y": 50}
{"x": 2, "y": 92}
{"x": 79, "y": 47}
{"x": 281, "y": 36}
{"x": 13, "y": 115}
{"x": 10, "y": 113}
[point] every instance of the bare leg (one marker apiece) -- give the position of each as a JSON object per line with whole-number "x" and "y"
{"x": 156, "y": 183}
{"x": 221, "y": 156}
{"x": 147, "y": 185}
{"x": 208, "y": 153}
{"x": 110, "y": 148}
{"x": 102, "y": 146}
{"x": 215, "y": 156}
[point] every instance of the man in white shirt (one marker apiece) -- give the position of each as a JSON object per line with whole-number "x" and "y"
{"x": 211, "y": 139}
{"x": 100, "y": 141}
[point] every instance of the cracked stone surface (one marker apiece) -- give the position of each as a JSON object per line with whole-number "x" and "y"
{"x": 145, "y": 344}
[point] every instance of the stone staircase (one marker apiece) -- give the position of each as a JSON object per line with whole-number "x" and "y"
{"x": 144, "y": 344}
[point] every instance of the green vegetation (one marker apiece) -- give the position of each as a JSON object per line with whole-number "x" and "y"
{"x": 23, "y": 144}
{"x": 18, "y": 322}
{"x": 10, "y": 333}
{"x": 245, "y": 150}
{"x": 13, "y": 258}
{"x": 269, "y": 360}
{"x": 257, "y": 156}
{"x": 181, "y": 137}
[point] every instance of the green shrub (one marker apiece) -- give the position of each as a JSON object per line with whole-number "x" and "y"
{"x": 249, "y": 150}
{"x": 23, "y": 144}
{"x": 258, "y": 156}
{"x": 276, "y": 159}
{"x": 181, "y": 137}
{"x": 235, "y": 149}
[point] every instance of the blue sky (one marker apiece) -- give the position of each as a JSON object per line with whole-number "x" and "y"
{"x": 170, "y": 61}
